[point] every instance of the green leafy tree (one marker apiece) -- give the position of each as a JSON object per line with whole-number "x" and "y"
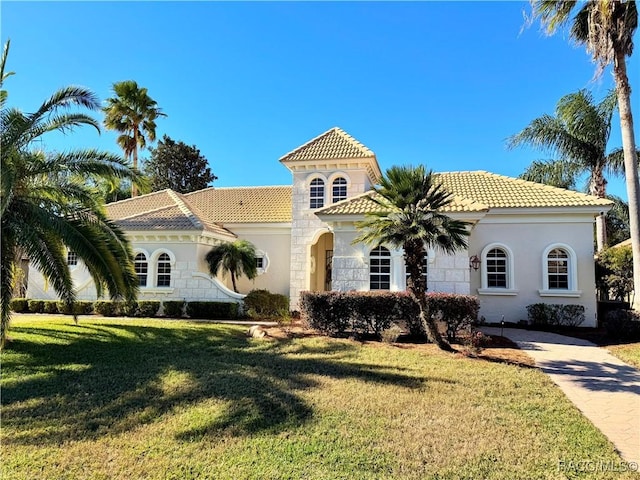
{"x": 606, "y": 28}
{"x": 577, "y": 135}
{"x": 48, "y": 206}
{"x": 236, "y": 258}
{"x": 618, "y": 222}
{"x": 615, "y": 272}
{"x": 132, "y": 113}
{"x": 410, "y": 216}
{"x": 177, "y": 166}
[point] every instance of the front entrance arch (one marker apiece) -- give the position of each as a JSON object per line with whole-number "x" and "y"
{"x": 321, "y": 260}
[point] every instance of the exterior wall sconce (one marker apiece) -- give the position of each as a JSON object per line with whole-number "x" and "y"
{"x": 474, "y": 262}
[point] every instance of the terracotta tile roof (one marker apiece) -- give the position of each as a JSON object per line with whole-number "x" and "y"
{"x": 499, "y": 191}
{"x": 363, "y": 203}
{"x": 163, "y": 210}
{"x": 244, "y": 204}
{"x": 332, "y": 144}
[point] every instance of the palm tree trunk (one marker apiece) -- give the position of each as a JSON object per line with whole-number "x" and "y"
{"x": 414, "y": 254}
{"x": 598, "y": 187}
{"x": 134, "y": 188}
{"x": 6, "y": 285}
{"x": 630, "y": 166}
{"x": 233, "y": 281}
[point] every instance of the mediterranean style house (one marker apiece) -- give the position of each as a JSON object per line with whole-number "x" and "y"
{"x": 528, "y": 243}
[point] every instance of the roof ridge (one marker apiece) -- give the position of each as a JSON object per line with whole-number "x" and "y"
{"x": 350, "y": 139}
{"x": 146, "y": 212}
{"x": 193, "y": 218}
{"x": 130, "y": 199}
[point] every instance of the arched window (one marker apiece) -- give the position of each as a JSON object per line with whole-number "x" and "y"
{"x": 559, "y": 272}
{"x": 142, "y": 269}
{"x": 496, "y": 265}
{"x": 339, "y": 191}
{"x": 558, "y": 269}
{"x": 316, "y": 193}
{"x": 380, "y": 269}
{"x": 163, "y": 278}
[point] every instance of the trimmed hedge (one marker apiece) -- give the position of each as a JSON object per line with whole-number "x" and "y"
{"x": 173, "y": 308}
{"x": 623, "y": 325}
{"x": 212, "y": 310}
{"x": 264, "y": 304}
{"x": 19, "y": 305}
{"x": 79, "y": 308}
{"x": 36, "y": 306}
{"x": 340, "y": 313}
{"x": 50, "y": 306}
{"x": 148, "y": 308}
{"x": 555, "y": 315}
{"x": 106, "y": 308}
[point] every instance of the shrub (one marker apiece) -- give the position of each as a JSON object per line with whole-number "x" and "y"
{"x": 623, "y": 325}
{"x": 50, "y": 306}
{"x": 106, "y": 308}
{"x": 264, "y": 304}
{"x": 338, "y": 313}
{"x": 36, "y": 306}
{"x": 212, "y": 310}
{"x": 78, "y": 308}
{"x": 173, "y": 308}
{"x": 148, "y": 308}
{"x": 19, "y": 305}
{"x": 553, "y": 315}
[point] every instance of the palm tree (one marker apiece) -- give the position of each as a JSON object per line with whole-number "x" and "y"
{"x": 578, "y": 135}
{"x": 410, "y": 201}
{"x": 48, "y": 206}
{"x": 606, "y": 28}
{"x": 133, "y": 113}
{"x": 238, "y": 258}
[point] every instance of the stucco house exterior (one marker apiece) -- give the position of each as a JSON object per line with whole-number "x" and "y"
{"x": 532, "y": 243}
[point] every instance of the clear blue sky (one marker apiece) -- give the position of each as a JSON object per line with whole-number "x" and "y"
{"x": 440, "y": 83}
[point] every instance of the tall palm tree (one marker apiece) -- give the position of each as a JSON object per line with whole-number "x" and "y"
{"x": 410, "y": 201}
{"x": 48, "y": 206}
{"x": 238, "y": 258}
{"x": 577, "y": 135}
{"x": 133, "y": 113}
{"x": 606, "y": 28}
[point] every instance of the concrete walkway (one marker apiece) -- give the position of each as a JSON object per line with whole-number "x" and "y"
{"x": 604, "y": 388}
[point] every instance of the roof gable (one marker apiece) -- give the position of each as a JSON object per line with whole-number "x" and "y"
{"x": 332, "y": 144}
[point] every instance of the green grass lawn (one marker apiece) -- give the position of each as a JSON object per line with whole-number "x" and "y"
{"x": 152, "y": 399}
{"x": 629, "y": 353}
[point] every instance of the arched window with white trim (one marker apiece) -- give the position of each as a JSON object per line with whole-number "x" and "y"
{"x": 559, "y": 271}
{"x": 498, "y": 271}
{"x": 163, "y": 271}
{"x": 142, "y": 269}
{"x": 339, "y": 189}
{"x": 380, "y": 269}
{"x": 316, "y": 193}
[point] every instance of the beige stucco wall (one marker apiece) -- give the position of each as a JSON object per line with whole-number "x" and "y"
{"x": 527, "y": 236}
{"x": 274, "y": 242}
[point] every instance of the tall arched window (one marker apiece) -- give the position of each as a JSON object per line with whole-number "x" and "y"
{"x": 142, "y": 269}
{"x": 380, "y": 269}
{"x": 558, "y": 269}
{"x": 498, "y": 270}
{"x": 316, "y": 193}
{"x": 163, "y": 278}
{"x": 339, "y": 190}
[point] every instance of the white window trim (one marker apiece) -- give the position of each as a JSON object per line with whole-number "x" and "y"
{"x": 311, "y": 178}
{"x": 153, "y": 270}
{"x": 573, "y": 290}
{"x": 265, "y": 262}
{"x": 332, "y": 178}
{"x": 511, "y": 289}
{"x": 136, "y": 251}
{"x": 391, "y": 269}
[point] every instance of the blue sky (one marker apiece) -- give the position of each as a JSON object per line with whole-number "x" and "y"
{"x": 439, "y": 83}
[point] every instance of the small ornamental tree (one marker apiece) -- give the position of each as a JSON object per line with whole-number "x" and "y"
{"x": 238, "y": 258}
{"x": 177, "y": 166}
{"x": 409, "y": 215}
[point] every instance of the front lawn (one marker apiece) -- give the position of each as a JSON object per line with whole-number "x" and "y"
{"x": 629, "y": 353}
{"x": 154, "y": 399}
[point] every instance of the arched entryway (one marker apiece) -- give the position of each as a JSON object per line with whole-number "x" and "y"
{"x": 321, "y": 263}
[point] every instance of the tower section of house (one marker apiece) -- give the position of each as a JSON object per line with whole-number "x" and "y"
{"x": 328, "y": 169}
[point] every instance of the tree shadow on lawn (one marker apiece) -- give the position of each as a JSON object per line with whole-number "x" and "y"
{"x": 104, "y": 382}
